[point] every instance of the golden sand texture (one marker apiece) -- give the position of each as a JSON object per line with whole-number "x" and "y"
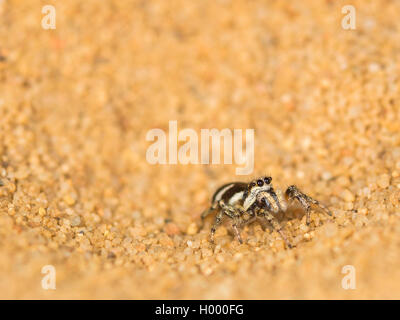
{"x": 76, "y": 104}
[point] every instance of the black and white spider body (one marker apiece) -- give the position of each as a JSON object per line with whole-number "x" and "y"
{"x": 256, "y": 199}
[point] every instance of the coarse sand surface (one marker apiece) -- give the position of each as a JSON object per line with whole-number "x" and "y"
{"x": 78, "y": 193}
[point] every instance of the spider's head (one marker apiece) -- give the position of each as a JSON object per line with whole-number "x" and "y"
{"x": 259, "y": 183}
{"x": 254, "y": 188}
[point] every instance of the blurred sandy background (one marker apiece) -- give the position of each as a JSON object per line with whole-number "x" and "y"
{"x": 76, "y": 104}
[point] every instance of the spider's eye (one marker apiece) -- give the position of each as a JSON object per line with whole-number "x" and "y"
{"x": 260, "y": 183}
{"x": 267, "y": 180}
{"x": 252, "y": 184}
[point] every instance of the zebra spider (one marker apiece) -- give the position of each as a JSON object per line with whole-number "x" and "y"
{"x": 256, "y": 200}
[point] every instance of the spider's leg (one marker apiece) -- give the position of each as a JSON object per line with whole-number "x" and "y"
{"x": 218, "y": 220}
{"x": 206, "y": 212}
{"x": 237, "y": 232}
{"x": 248, "y": 221}
{"x": 234, "y": 213}
{"x": 275, "y": 224}
{"x": 231, "y": 211}
{"x": 305, "y": 201}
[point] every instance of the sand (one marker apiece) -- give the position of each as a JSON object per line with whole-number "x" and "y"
{"x": 77, "y": 191}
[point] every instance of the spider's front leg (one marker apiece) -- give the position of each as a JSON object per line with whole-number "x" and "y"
{"x": 305, "y": 201}
{"x": 275, "y": 224}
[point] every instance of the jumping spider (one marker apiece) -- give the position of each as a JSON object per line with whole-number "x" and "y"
{"x": 256, "y": 200}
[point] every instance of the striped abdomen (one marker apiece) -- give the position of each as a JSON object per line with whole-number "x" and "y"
{"x": 230, "y": 193}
